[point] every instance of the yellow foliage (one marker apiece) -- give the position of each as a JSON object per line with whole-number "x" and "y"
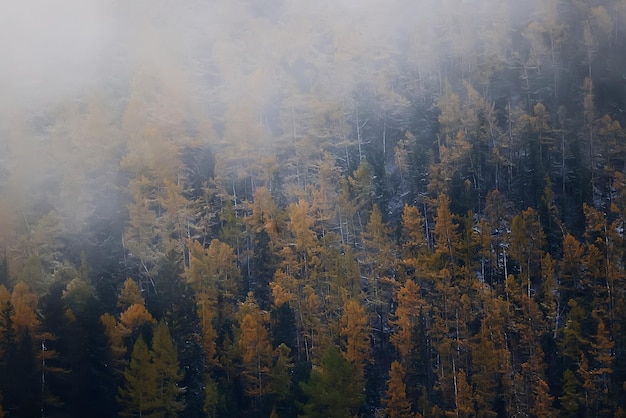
{"x": 355, "y": 332}
{"x": 135, "y": 316}
{"x": 25, "y": 304}
{"x": 69, "y": 316}
{"x": 280, "y": 295}
{"x": 114, "y": 334}
{"x": 5, "y": 295}
{"x": 130, "y": 295}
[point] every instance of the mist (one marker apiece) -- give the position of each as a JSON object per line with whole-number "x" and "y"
{"x": 53, "y": 50}
{"x": 425, "y": 195}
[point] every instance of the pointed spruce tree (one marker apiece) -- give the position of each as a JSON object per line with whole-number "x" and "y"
{"x": 165, "y": 361}
{"x": 139, "y": 396}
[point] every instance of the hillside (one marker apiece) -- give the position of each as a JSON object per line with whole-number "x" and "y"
{"x": 311, "y": 209}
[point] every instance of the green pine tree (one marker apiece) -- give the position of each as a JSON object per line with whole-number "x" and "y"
{"x": 165, "y": 361}
{"x": 334, "y": 389}
{"x": 139, "y": 397}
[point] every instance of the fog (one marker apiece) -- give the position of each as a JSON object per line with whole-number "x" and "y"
{"x": 51, "y": 50}
{"x": 86, "y": 84}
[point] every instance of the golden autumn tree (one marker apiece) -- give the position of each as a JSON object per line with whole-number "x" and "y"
{"x": 24, "y": 303}
{"x": 255, "y": 347}
{"x": 213, "y": 272}
{"x": 131, "y": 321}
{"x": 223, "y": 270}
{"x": 115, "y": 335}
{"x": 7, "y": 333}
{"x": 543, "y": 402}
{"x": 570, "y": 271}
{"x": 602, "y": 260}
{"x": 527, "y": 241}
{"x": 298, "y": 277}
{"x": 463, "y": 397}
{"x": 406, "y": 317}
{"x": 414, "y": 237}
{"x": 396, "y": 403}
{"x": 379, "y": 253}
{"x": 130, "y": 295}
{"x": 490, "y": 355}
{"x": 446, "y": 235}
{"x": 134, "y": 317}
{"x": 601, "y": 368}
{"x": 355, "y": 335}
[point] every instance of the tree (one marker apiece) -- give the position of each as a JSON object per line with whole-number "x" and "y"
{"x": 24, "y": 302}
{"x": 333, "y": 389}
{"x": 601, "y": 369}
{"x": 491, "y": 365}
{"x": 396, "y": 403}
{"x": 115, "y": 336}
{"x": 165, "y": 361}
{"x": 380, "y": 259}
{"x": 446, "y": 235}
{"x": 20, "y": 379}
{"x": 406, "y": 318}
{"x": 543, "y": 401}
{"x": 463, "y": 397}
{"x": 281, "y": 372}
{"x": 355, "y": 335}
{"x": 139, "y": 396}
{"x": 256, "y": 349}
{"x": 135, "y": 317}
{"x": 414, "y": 242}
{"x": 129, "y": 295}
{"x": 570, "y": 271}
{"x": 214, "y": 272}
{"x": 569, "y": 398}
{"x": 527, "y": 241}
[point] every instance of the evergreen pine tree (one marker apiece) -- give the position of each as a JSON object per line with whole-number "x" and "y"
{"x": 139, "y": 395}
{"x": 165, "y": 361}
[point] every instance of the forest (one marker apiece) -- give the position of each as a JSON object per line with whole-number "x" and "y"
{"x": 276, "y": 208}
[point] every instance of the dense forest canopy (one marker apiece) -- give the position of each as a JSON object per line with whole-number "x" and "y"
{"x": 313, "y": 208}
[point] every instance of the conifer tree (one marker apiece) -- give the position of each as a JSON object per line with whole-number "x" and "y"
{"x": 406, "y": 318}
{"x": 380, "y": 259}
{"x": 570, "y": 271}
{"x": 569, "y": 397}
{"x": 282, "y": 376}
{"x": 355, "y": 335}
{"x": 24, "y": 303}
{"x": 139, "y": 395}
{"x": 396, "y": 403}
{"x": 527, "y": 241}
{"x": 129, "y": 295}
{"x": 414, "y": 241}
{"x": 446, "y": 235}
{"x": 165, "y": 361}
{"x": 334, "y": 389}
{"x": 256, "y": 349}
{"x": 463, "y": 397}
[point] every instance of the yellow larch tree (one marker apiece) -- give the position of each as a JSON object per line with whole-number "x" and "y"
{"x": 130, "y": 295}
{"x": 24, "y": 303}
{"x": 396, "y": 403}
{"x": 256, "y": 349}
{"x": 406, "y": 317}
{"x": 355, "y": 335}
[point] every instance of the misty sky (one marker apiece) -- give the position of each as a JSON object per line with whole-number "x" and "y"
{"x": 51, "y": 49}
